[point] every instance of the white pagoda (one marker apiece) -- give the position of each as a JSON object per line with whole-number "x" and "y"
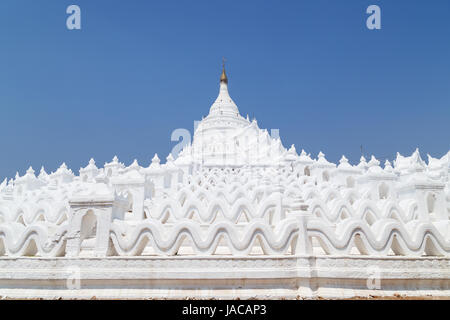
{"x": 236, "y": 215}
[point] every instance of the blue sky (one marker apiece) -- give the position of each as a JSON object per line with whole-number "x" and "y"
{"x": 138, "y": 69}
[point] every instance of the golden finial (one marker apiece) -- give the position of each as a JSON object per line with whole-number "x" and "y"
{"x": 223, "y": 77}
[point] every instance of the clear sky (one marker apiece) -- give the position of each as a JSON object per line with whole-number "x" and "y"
{"x": 139, "y": 69}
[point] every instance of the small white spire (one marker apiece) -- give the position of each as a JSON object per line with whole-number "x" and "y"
{"x": 156, "y": 159}
{"x": 292, "y": 149}
{"x": 42, "y": 173}
{"x": 224, "y": 105}
{"x": 388, "y": 166}
{"x": 135, "y": 163}
{"x": 30, "y": 171}
{"x": 373, "y": 162}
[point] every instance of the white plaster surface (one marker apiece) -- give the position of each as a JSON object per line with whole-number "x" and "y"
{"x": 236, "y": 214}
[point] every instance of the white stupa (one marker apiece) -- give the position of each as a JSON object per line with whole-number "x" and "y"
{"x": 226, "y": 139}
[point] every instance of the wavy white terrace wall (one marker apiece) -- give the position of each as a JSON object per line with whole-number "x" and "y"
{"x": 333, "y": 210}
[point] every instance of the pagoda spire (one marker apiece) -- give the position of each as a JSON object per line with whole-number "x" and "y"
{"x": 224, "y": 105}
{"x": 223, "y": 76}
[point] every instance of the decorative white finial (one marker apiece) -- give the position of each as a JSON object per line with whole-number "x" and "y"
{"x": 30, "y": 171}
{"x": 387, "y": 165}
{"x": 373, "y": 162}
{"x": 362, "y": 163}
{"x": 292, "y": 149}
{"x": 156, "y": 159}
{"x": 42, "y": 173}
